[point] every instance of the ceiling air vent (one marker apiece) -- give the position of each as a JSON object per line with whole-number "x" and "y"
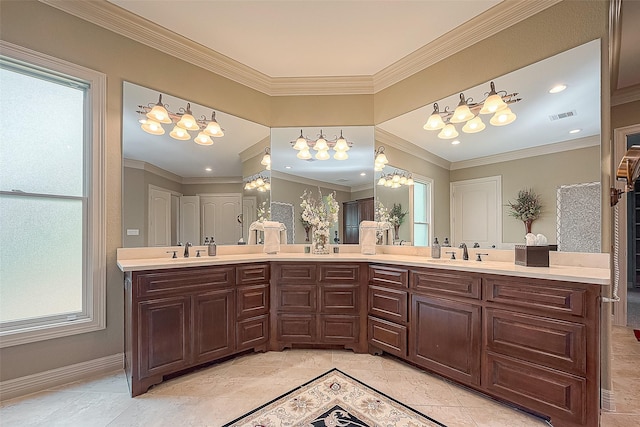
{"x": 555, "y": 117}
{"x": 342, "y": 180}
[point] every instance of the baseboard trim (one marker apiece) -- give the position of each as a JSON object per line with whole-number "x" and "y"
{"x": 607, "y": 400}
{"x": 55, "y": 377}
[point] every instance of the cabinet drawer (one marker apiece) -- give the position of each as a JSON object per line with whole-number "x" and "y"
{"x": 252, "y": 273}
{"x": 542, "y": 295}
{"x": 339, "y": 329}
{"x": 387, "y": 336}
{"x": 550, "y": 342}
{"x": 162, "y": 282}
{"x": 297, "y": 298}
{"x": 546, "y": 391}
{"x": 252, "y": 301}
{"x": 340, "y": 273}
{"x": 446, "y": 283}
{"x": 252, "y": 332}
{"x": 389, "y": 276}
{"x": 295, "y": 273}
{"x": 298, "y": 328}
{"x": 339, "y": 299}
{"x": 390, "y": 304}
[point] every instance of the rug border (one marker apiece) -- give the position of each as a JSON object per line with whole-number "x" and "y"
{"x": 317, "y": 378}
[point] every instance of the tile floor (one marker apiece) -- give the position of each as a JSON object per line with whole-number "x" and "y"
{"x": 222, "y": 392}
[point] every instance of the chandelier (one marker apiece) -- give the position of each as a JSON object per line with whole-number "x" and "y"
{"x": 258, "y": 183}
{"x": 184, "y": 122}
{"x": 266, "y": 159}
{"x": 396, "y": 179}
{"x": 380, "y": 159}
{"x": 321, "y": 145}
{"x": 468, "y": 112}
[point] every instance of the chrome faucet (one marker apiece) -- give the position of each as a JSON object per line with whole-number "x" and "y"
{"x": 186, "y": 249}
{"x": 465, "y": 252}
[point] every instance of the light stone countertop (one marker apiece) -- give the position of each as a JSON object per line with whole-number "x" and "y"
{"x": 158, "y": 259}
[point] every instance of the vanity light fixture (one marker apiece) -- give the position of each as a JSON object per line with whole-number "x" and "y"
{"x": 155, "y": 115}
{"x": 266, "y": 159}
{"x": 258, "y": 183}
{"x": 380, "y": 159}
{"x": 468, "y": 112}
{"x": 396, "y": 179}
{"x": 321, "y": 145}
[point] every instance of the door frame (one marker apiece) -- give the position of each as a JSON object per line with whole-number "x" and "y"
{"x": 619, "y": 149}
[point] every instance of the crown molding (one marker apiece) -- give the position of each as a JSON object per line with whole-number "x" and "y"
{"x": 391, "y": 140}
{"x": 623, "y": 96}
{"x": 151, "y": 168}
{"x": 501, "y": 16}
{"x": 307, "y": 181}
{"x": 574, "y": 144}
{"x": 256, "y": 149}
{"x": 219, "y": 180}
{"x": 125, "y": 23}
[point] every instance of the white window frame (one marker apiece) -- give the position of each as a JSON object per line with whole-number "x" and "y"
{"x": 94, "y": 282}
{"x": 427, "y": 181}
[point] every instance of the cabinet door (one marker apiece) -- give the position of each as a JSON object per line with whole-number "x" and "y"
{"x": 387, "y": 336}
{"x": 214, "y": 325}
{"x": 252, "y": 332}
{"x": 252, "y": 301}
{"x": 339, "y": 299}
{"x": 163, "y": 337}
{"x": 300, "y": 328}
{"x": 350, "y": 221}
{"x": 445, "y": 337}
{"x": 297, "y": 298}
{"x": 337, "y": 329}
{"x": 390, "y": 304}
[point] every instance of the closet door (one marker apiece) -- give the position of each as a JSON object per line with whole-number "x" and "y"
{"x": 190, "y": 220}
{"x": 159, "y": 217}
{"x": 219, "y": 217}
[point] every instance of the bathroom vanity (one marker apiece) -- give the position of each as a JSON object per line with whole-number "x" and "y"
{"x": 526, "y": 336}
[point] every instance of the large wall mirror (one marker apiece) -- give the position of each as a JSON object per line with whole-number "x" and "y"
{"x": 351, "y": 179}
{"x": 180, "y": 191}
{"x": 553, "y": 147}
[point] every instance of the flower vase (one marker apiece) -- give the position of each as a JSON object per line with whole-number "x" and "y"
{"x": 396, "y": 228}
{"x": 527, "y": 225}
{"x": 320, "y": 242}
{"x": 306, "y": 231}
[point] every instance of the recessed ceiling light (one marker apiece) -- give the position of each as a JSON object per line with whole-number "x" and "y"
{"x": 363, "y": 174}
{"x": 455, "y": 142}
{"x": 287, "y": 167}
{"x": 208, "y": 169}
{"x": 557, "y": 88}
{"x": 575, "y": 130}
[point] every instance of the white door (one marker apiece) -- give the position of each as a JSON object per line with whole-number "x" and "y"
{"x": 476, "y": 212}
{"x": 190, "y": 220}
{"x": 219, "y": 217}
{"x": 249, "y": 214}
{"x": 159, "y": 217}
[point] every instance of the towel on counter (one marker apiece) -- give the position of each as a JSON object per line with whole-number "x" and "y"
{"x": 272, "y": 235}
{"x": 368, "y": 237}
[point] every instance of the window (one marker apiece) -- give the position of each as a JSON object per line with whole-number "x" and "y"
{"x": 52, "y": 229}
{"x": 422, "y": 211}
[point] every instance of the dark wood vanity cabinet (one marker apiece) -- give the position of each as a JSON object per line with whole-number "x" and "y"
{"x": 318, "y": 304}
{"x": 179, "y": 318}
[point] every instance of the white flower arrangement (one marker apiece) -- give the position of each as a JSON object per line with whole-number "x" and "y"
{"x": 382, "y": 213}
{"x": 263, "y": 212}
{"x": 321, "y": 214}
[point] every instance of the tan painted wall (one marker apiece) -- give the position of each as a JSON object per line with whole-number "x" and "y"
{"x": 625, "y": 115}
{"x": 134, "y": 197}
{"x": 32, "y": 25}
{"x": 544, "y": 174}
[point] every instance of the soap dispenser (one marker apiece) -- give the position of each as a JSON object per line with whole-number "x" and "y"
{"x": 212, "y": 249}
{"x": 435, "y": 249}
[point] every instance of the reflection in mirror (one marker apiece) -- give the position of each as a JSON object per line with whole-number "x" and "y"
{"x": 553, "y": 147}
{"x": 351, "y": 178}
{"x": 393, "y": 195}
{"x": 178, "y": 190}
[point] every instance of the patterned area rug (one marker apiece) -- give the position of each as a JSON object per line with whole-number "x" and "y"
{"x": 334, "y": 399}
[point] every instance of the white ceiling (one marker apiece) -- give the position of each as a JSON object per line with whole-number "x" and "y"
{"x": 306, "y": 38}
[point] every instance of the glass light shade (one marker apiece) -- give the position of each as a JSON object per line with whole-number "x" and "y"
{"x": 321, "y": 145}
{"x": 247, "y": 186}
{"x": 179, "y": 134}
{"x": 159, "y": 114}
{"x": 462, "y": 114}
{"x": 494, "y": 103}
{"x": 434, "y": 122}
{"x": 252, "y": 184}
{"x": 448, "y": 132}
{"x": 474, "y": 125}
{"x": 301, "y": 144}
{"x": 503, "y": 118}
{"x": 323, "y": 155}
{"x": 382, "y": 181}
{"x": 260, "y": 181}
{"x": 396, "y": 177}
{"x": 213, "y": 128}
{"x": 266, "y": 160}
{"x": 403, "y": 180}
{"x": 262, "y": 189}
{"x": 304, "y": 154}
{"x": 388, "y": 183}
{"x": 395, "y": 185}
{"x": 341, "y": 145}
{"x": 267, "y": 185}
{"x": 378, "y": 167}
{"x": 381, "y": 159}
{"x": 152, "y": 127}
{"x": 188, "y": 122}
{"x": 203, "y": 139}
{"x": 410, "y": 180}
{"x": 268, "y": 167}
{"x": 341, "y": 155}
